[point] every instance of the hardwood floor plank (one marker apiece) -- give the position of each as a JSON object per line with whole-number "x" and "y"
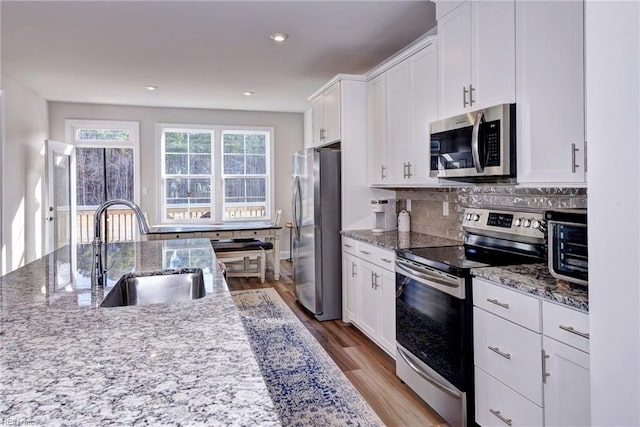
{"x": 368, "y": 367}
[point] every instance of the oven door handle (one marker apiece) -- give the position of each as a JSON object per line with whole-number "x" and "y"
{"x": 426, "y": 377}
{"x": 424, "y": 274}
{"x": 475, "y": 144}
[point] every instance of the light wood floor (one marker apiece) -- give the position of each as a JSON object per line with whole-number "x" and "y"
{"x": 369, "y": 368}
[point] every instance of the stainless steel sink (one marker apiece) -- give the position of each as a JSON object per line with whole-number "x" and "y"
{"x": 156, "y": 287}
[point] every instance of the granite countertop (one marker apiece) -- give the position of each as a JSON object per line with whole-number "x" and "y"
{"x": 535, "y": 279}
{"x": 393, "y": 240}
{"x": 66, "y": 361}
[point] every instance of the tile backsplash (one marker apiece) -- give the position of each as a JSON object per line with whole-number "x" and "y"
{"x": 428, "y": 204}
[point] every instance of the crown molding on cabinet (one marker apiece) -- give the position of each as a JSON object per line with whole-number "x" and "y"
{"x": 419, "y": 44}
{"x": 336, "y": 78}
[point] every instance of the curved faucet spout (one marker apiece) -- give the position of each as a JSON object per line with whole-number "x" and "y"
{"x": 97, "y": 269}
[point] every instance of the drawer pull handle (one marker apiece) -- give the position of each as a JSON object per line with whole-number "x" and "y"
{"x": 507, "y": 421}
{"x": 545, "y": 374}
{"x": 501, "y": 353}
{"x": 498, "y": 303}
{"x": 385, "y": 260}
{"x": 573, "y": 331}
{"x": 347, "y": 246}
{"x": 366, "y": 253}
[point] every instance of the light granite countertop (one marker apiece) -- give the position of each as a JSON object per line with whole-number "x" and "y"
{"x": 393, "y": 240}
{"x": 536, "y": 280}
{"x": 66, "y": 361}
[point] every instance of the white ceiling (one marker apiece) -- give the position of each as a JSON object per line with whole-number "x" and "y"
{"x": 200, "y": 54}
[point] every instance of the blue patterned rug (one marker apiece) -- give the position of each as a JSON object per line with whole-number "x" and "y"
{"x": 307, "y": 387}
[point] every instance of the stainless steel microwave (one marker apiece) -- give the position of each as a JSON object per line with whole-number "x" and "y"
{"x": 476, "y": 144}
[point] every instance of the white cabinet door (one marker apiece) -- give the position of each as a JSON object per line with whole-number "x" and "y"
{"x": 378, "y": 166}
{"x": 349, "y": 288}
{"x": 567, "y": 388}
{"x": 398, "y": 122}
{"x": 454, "y": 33}
{"x": 423, "y": 72}
{"x": 332, "y": 114}
{"x": 317, "y": 119}
{"x": 367, "y": 299}
{"x": 493, "y": 53}
{"x": 386, "y": 287}
{"x": 550, "y": 92}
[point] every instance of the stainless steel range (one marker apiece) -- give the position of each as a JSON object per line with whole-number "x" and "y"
{"x": 434, "y": 326}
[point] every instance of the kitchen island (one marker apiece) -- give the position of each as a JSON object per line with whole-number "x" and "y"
{"x": 66, "y": 361}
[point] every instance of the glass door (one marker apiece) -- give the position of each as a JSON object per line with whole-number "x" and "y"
{"x": 59, "y": 161}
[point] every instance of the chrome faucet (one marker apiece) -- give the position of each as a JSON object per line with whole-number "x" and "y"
{"x": 97, "y": 268}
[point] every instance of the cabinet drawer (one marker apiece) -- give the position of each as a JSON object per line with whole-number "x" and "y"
{"x": 218, "y": 234}
{"x": 495, "y": 400}
{"x": 254, "y": 233}
{"x": 511, "y": 305}
{"x": 566, "y": 325}
{"x": 350, "y": 245}
{"x": 376, "y": 255}
{"x": 509, "y": 352}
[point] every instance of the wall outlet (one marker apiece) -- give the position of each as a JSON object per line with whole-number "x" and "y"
{"x": 408, "y": 205}
{"x": 445, "y": 208}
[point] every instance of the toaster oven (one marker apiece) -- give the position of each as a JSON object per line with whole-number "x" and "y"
{"x": 568, "y": 254}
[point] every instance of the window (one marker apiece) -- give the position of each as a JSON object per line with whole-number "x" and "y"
{"x": 214, "y": 173}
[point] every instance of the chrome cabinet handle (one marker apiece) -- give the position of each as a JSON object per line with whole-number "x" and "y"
{"x": 382, "y": 175}
{"x": 573, "y": 331}
{"x": 498, "y": 414}
{"x": 375, "y": 280}
{"x": 353, "y": 269}
{"x": 404, "y": 170}
{"x": 409, "y": 174}
{"x": 471, "y": 90}
{"x": 464, "y": 97}
{"x": 545, "y": 356}
{"x": 574, "y": 149}
{"x": 347, "y": 245}
{"x": 498, "y": 303}
{"x": 501, "y": 353}
{"x": 385, "y": 260}
{"x": 365, "y": 252}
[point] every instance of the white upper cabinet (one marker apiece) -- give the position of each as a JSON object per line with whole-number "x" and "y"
{"x": 403, "y": 100}
{"x": 550, "y": 87}
{"x": 378, "y": 164}
{"x": 325, "y": 111}
{"x": 477, "y": 55}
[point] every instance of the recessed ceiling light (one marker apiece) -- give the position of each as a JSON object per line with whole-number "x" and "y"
{"x": 279, "y": 37}
{"x": 151, "y": 88}
{"x": 247, "y": 93}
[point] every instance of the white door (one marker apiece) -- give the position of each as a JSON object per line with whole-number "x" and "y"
{"x": 60, "y": 202}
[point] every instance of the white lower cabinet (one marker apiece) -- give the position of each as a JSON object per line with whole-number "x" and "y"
{"x": 531, "y": 360}
{"x": 368, "y": 280}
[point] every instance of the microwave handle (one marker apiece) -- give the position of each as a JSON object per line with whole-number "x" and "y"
{"x": 475, "y": 149}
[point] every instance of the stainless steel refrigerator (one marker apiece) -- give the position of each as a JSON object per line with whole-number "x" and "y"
{"x": 317, "y": 262}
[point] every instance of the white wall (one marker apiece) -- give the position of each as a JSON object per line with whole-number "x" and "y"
{"x": 613, "y": 135}
{"x": 288, "y": 139}
{"x": 26, "y": 127}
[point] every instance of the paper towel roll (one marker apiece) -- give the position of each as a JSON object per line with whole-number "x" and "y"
{"x": 404, "y": 222}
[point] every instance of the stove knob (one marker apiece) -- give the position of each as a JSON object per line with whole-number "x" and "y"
{"x": 468, "y": 217}
{"x": 518, "y": 222}
{"x": 526, "y": 223}
{"x": 476, "y": 217}
{"x": 535, "y": 224}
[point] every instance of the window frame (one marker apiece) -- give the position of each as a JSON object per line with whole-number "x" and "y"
{"x": 217, "y": 175}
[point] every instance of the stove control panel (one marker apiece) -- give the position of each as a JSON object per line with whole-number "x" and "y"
{"x": 505, "y": 224}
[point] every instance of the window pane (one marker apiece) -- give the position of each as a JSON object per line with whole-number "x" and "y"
{"x": 233, "y": 143}
{"x": 102, "y": 135}
{"x": 90, "y": 182}
{"x": 255, "y": 189}
{"x": 233, "y": 190}
{"x": 233, "y": 164}
{"x": 119, "y": 164}
{"x": 176, "y": 190}
{"x": 200, "y": 142}
{"x": 200, "y": 190}
{"x": 256, "y": 165}
{"x": 176, "y": 164}
{"x": 256, "y": 144}
{"x": 200, "y": 164}
{"x": 175, "y": 142}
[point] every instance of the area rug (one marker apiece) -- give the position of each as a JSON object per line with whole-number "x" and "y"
{"x": 307, "y": 387}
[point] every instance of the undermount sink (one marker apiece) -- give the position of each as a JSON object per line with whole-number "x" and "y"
{"x": 156, "y": 287}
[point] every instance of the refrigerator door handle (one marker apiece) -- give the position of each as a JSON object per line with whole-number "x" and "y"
{"x": 297, "y": 207}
